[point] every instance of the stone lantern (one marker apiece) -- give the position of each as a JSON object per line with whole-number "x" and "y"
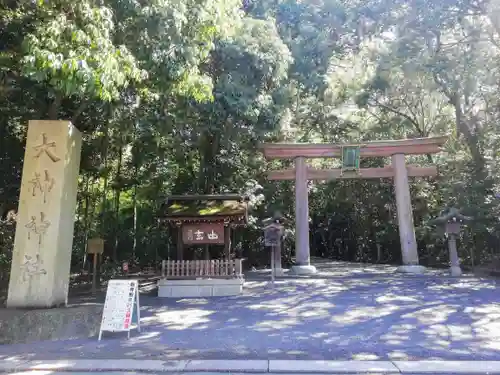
{"x": 451, "y": 220}
{"x": 273, "y": 233}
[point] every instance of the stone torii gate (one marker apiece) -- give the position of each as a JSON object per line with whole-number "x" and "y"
{"x": 398, "y": 170}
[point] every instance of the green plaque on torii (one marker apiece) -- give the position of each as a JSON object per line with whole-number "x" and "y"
{"x": 350, "y": 158}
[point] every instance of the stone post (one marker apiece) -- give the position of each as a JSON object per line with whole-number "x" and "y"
{"x": 46, "y": 215}
{"x": 302, "y": 253}
{"x": 405, "y": 217}
{"x": 227, "y": 242}
{"x": 277, "y": 258}
{"x": 455, "y": 269}
{"x": 180, "y": 245}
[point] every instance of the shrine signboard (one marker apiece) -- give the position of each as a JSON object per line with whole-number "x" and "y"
{"x": 272, "y": 234}
{"x": 121, "y": 307}
{"x": 95, "y": 246}
{"x": 203, "y": 233}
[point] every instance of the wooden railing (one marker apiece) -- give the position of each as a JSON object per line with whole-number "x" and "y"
{"x": 190, "y": 269}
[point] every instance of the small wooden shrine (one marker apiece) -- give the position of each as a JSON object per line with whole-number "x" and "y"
{"x": 205, "y": 219}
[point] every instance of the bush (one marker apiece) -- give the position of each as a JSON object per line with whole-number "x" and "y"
{"x": 7, "y": 232}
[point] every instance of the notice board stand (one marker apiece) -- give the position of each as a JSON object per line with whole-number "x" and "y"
{"x": 121, "y": 308}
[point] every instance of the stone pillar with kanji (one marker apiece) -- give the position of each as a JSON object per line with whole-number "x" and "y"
{"x": 44, "y": 234}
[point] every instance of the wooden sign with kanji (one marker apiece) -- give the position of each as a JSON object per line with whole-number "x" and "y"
{"x": 203, "y": 233}
{"x": 95, "y": 246}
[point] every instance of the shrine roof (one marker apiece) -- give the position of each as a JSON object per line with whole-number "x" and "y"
{"x": 451, "y": 214}
{"x": 207, "y": 208}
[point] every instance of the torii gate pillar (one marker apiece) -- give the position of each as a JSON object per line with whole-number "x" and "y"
{"x": 409, "y": 250}
{"x": 302, "y": 253}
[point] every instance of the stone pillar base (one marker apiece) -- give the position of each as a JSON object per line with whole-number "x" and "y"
{"x": 303, "y": 270}
{"x": 199, "y": 288}
{"x": 413, "y": 269}
{"x": 455, "y": 271}
{"x": 278, "y": 272}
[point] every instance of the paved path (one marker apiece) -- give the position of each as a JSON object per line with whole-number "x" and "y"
{"x": 341, "y": 316}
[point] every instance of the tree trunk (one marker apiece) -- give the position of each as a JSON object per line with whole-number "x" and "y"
{"x": 86, "y": 221}
{"x": 93, "y": 203}
{"x": 104, "y": 191}
{"x": 469, "y": 135}
{"x": 54, "y": 107}
{"x": 134, "y": 196}
{"x": 134, "y": 203}
{"x": 209, "y": 150}
{"x": 118, "y": 190}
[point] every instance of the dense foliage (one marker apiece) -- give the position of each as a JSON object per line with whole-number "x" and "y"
{"x": 173, "y": 97}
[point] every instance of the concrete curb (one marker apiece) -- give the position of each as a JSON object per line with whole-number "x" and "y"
{"x": 253, "y": 366}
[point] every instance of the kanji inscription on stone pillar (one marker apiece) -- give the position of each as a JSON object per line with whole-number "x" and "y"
{"x": 43, "y": 185}
{"x": 38, "y": 226}
{"x": 32, "y": 266}
{"x": 44, "y": 234}
{"x": 46, "y": 148}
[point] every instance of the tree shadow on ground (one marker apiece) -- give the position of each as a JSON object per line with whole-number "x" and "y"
{"x": 349, "y": 317}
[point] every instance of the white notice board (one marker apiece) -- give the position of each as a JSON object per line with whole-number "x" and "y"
{"x": 121, "y": 308}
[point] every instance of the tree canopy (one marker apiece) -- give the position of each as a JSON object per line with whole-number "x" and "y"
{"x": 173, "y": 97}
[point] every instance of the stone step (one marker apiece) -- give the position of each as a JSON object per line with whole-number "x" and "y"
{"x": 253, "y": 366}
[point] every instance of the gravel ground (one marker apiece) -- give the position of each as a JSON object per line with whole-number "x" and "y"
{"x": 344, "y": 313}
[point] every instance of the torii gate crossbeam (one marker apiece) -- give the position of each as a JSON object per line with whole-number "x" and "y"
{"x": 398, "y": 170}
